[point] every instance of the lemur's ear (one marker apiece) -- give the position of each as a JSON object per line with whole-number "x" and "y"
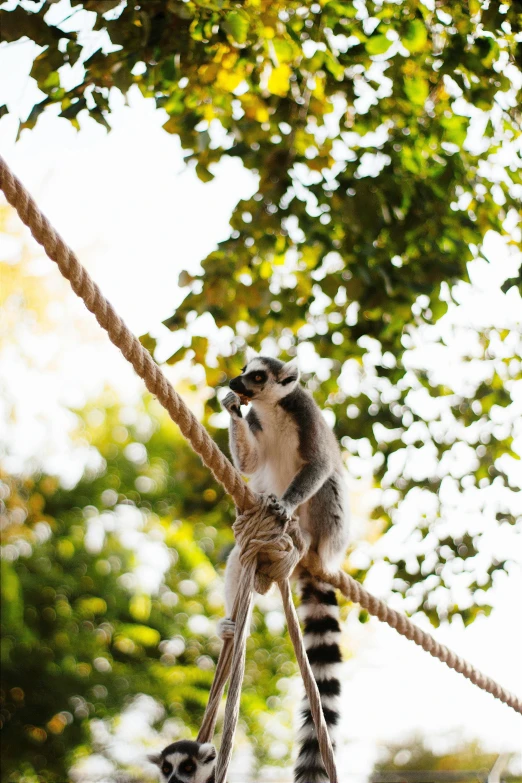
{"x": 250, "y": 354}
{"x": 207, "y": 752}
{"x": 289, "y": 373}
{"x": 154, "y": 758}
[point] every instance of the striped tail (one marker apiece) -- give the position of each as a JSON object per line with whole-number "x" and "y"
{"x": 320, "y": 614}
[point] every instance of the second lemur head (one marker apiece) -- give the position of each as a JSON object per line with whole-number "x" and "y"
{"x": 186, "y": 761}
{"x": 265, "y": 379}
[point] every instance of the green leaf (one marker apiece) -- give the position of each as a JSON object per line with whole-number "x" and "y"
{"x": 279, "y": 80}
{"x": 416, "y": 36}
{"x": 377, "y": 44}
{"x": 237, "y": 24}
{"x": 455, "y": 129}
{"x": 417, "y": 90}
{"x": 87, "y": 607}
{"x": 46, "y": 63}
{"x": 513, "y": 281}
{"x": 139, "y": 607}
{"x": 37, "y": 109}
{"x": 71, "y": 111}
{"x": 99, "y": 116}
{"x": 203, "y": 173}
{"x": 284, "y": 50}
{"x": 12, "y": 602}
{"x": 334, "y": 66}
{"x": 173, "y": 125}
{"x": 141, "y": 634}
{"x": 74, "y": 51}
{"x": 148, "y": 342}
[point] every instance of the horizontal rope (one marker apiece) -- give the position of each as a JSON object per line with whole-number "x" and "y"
{"x": 202, "y": 443}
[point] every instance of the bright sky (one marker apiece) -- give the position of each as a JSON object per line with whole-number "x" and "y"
{"x": 137, "y": 218}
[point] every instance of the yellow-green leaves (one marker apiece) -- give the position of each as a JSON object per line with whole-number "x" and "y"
{"x": 65, "y": 549}
{"x": 455, "y": 129}
{"x": 140, "y": 606}
{"x": 377, "y": 44}
{"x": 88, "y": 607}
{"x": 254, "y": 107}
{"x": 285, "y": 50}
{"x": 229, "y": 79}
{"x": 236, "y": 25}
{"x": 417, "y": 89}
{"x": 203, "y": 173}
{"x": 334, "y": 66}
{"x": 416, "y": 36}
{"x": 265, "y": 270}
{"x": 139, "y": 634}
{"x": 279, "y": 80}
{"x": 11, "y": 594}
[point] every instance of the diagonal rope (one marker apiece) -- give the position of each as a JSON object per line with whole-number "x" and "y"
{"x": 202, "y": 443}
{"x": 145, "y": 366}
{"x": 349, "y": 587}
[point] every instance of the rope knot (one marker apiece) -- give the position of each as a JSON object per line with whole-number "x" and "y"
{"x": 273, "y": 542}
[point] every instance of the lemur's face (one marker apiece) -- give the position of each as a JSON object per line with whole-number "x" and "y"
{"x": 186, "y": 762}
{"x": 265, "y": 379}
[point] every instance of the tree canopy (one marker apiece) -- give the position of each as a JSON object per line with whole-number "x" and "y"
{"x": 379, "y": 132}
{"x": 385, "y": 141}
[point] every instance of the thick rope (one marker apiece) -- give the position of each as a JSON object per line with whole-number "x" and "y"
{"x": 353, "y": 590}
{"x": 145, "y": 366}
{"x": 310, "y": 684}
{"x": 245, "y": 592}
{"x": 270, "y": 549}
{"x": 202, "y": 443}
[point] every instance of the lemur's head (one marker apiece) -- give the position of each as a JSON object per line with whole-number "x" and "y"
{"x": 186, "y": 761}
{"x": 265, "y": 379}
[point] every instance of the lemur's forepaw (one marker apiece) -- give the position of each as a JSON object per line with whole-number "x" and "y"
{"x": 279, "y": 508}
{"x": 232, "y": 404}
{"x": 226, "y": 628}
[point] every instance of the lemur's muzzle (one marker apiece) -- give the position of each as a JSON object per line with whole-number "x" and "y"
{"x": 237, "y": 385}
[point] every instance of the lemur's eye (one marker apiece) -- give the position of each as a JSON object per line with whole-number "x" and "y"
{"x": 187, "y": 767}
{"x": 258, "y": 378}
{"x": 166, "y": 768}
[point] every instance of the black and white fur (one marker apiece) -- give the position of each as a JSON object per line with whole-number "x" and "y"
{"x": 286, "y": 447}
{"x": 186, "y": 761}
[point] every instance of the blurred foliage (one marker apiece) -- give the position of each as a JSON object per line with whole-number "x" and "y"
{"x": 400, "y": 761}
{"x": 19, "y": 283}
{"x": 385, "y": 140}
{"x": 111, "y": 589}
{"x": 379, "y": 133}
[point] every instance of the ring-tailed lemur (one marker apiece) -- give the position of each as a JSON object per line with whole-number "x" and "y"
{"x": 186, "y": 761}
{"x": 286, "y": 447}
